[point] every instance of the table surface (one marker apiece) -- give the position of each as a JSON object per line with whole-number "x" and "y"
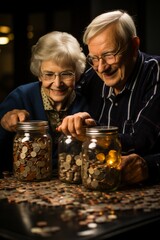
{"x": 56, "y": 210}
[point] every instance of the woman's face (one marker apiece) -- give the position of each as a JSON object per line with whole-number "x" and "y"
{"x": 58, "y": 82}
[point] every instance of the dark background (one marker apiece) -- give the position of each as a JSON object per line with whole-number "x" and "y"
{"x": 31, "y": 19}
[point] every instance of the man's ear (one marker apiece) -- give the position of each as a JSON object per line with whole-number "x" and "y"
{"x": 136, "y": 44}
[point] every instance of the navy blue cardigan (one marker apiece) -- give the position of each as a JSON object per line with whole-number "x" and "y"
{"x": 28, "y": 97}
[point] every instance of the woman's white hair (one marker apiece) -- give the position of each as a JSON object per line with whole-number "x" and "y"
{"x": 61, "y": 47}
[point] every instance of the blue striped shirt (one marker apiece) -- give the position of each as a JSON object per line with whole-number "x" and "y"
{"x": 135, "y": 110}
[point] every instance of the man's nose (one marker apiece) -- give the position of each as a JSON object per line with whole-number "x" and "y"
{"x": 102, "y": 65}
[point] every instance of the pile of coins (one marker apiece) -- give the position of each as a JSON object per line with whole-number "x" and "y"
{"x": 101, "y": 158}
{"x": 101, "y": 171}
{"x": 70, "y": 168}
{"x": 32, "y": 158}
{"x": 69, "y": 159}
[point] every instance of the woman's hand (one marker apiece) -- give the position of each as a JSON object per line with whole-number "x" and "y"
{"x": 10, "y": 119}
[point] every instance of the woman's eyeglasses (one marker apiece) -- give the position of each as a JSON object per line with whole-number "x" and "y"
{"x": 63, "y": 76}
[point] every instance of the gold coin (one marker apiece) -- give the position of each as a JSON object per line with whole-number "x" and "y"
{"x": 100, "y": 156}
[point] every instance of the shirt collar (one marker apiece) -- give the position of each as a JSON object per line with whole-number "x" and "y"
{"x": 107, "y": 92}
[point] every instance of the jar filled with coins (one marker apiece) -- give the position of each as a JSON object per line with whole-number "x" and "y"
{"x": 32, "y": 151}
{"x": 69, "y": 159}
{"x": 101, "y": 158}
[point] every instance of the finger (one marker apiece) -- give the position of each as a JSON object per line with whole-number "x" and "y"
{"x": 64, "y": 127}
{"x": 78, "y": 126}
{"x": 22, "y": 116}
{"x": 90, "y": 122}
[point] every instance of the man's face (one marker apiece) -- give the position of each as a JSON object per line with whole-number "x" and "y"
{"x": 112, "y": 61}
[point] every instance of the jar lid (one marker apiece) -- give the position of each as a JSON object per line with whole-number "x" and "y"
{"x": 32, "y": 125}
{"x": 101, "y": 130}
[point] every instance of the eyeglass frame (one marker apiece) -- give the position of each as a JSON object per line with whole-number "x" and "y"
{"x": 102, "y": 57}
{"x": 53, "y": 75}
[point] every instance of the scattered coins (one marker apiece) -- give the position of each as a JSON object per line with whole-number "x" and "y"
{"x": 89, "y": 208}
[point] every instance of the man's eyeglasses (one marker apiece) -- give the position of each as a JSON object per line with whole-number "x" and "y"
{"x": 109, "y": 58}
{"x": 63, "y": 76}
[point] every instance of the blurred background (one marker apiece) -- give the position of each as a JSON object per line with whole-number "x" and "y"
{"x": 23, "y": 22}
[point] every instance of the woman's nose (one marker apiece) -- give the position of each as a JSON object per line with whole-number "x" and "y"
{"x": 57, "y": 81}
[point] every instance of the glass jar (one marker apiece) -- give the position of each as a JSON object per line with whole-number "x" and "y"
{"x": 32, "y": 151}
{"x": 101, "y": 158}
{"x": 69, "y": 159}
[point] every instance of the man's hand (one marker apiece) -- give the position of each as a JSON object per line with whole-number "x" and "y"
{"x": 74, "y": 124}
{"x": 134, "y": 169}
{"x": 10, "y": 119}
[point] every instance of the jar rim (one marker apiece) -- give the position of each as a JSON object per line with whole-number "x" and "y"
{"x": 32, "y": 125}
{"x": 101, "y": 129}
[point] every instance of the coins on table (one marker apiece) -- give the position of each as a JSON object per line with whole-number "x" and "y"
{"x": 78, "y": 204}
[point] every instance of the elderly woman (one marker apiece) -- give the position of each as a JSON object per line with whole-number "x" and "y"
{"x": 57, "y": 61}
